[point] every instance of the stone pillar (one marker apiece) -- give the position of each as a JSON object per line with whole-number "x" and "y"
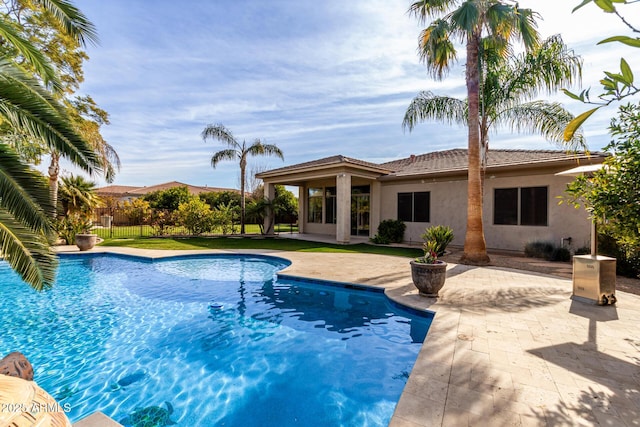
{"x": 269, "y": 217}
{"x": 343, "y": 208}
{"x": 375, "y": 207}
{"x": 302, "y": 208}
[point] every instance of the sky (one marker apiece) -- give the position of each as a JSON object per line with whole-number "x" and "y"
{"x": 315, "y": 78}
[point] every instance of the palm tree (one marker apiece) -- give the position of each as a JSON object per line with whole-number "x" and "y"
{"x": 493, "y": 22}
{"x": 240, "y": 152}
{"x": 25, "y": 227}
{"x": 78, "y": 195}
{"x": 507, "y": 87}
{"x": 29, "y": 108}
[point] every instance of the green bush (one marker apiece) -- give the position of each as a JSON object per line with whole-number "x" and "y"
{"x": 539, "y": 249}
{"x": 441, "y": 234}
{"x": 70, "y": 225}
{"x": 160, "y": 220}
{"x": 560, "y": 254}
{"x": 196, "y": 216}
{"x": 548, "y": 251}
{"x": 390, "y": 231}
{"x": 584, "y": 250}
{"x": 627, "y": 262}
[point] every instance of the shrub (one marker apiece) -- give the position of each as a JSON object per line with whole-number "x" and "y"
{"x": 70, "y": 225}
{"x": 539, "y": 249}
{"x": 223, "y": 217}
{"x": 584, "y": 250}
{"x": 390, "y": 231}
{"x": 196, "y": 216}
{"x": 441, "y": 234}
{"x": 560, "y": 254}
{"x": 160, "y": 220}
{"x": 547, "y": 250}
{"x": 627, "y": 261}
{"x": 136, "y": 211}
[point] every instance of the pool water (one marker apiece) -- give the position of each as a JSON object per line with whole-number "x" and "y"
{"x": 215, "y": 340}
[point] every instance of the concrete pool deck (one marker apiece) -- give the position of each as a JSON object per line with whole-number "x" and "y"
{"x": 506, "y": 348}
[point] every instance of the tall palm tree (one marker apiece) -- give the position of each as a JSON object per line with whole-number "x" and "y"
{"x": 508, "y": 85}
{"x": 472, "y": 22}
{"x": 237, "y": 151}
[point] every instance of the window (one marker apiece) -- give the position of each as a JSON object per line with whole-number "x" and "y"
{"x": 330, "y": 205}
{"x": 520, "y": 206}
{"x": 505, "y": 206}
{"x": 314, "y": 211}
{"x": 533, "y": 206}
{"x": 414, "y": 207}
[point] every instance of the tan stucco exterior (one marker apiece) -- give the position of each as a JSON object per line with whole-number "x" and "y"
{"x": 448, "y": 198}
{"x": 448, "y": 207}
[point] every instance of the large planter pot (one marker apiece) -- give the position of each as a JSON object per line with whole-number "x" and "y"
{"x": 85, "y": 241}
{"x": 429, "y": 278}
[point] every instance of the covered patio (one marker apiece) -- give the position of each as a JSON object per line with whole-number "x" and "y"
{"x": 339, "y": 196}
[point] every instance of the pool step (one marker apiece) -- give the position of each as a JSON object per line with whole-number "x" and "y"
{"x": 97, "y": 419}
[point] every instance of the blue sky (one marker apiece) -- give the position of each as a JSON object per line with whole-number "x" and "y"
{"x": 316, "y": 78}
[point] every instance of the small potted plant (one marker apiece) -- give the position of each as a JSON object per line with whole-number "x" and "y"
{"x": 428, "y": 272}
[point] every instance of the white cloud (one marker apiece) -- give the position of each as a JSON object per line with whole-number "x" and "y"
{"x": 315, "y": 78}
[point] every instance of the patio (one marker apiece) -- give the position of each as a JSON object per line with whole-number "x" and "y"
{"x": 507, "y": 347}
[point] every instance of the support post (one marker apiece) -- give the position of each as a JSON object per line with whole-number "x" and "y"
{"x": 343, "y": 208}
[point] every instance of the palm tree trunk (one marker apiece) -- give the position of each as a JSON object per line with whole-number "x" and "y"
{"x": 475, "y": 250}
{"x": 54, "y": 172}
{"x": 243, "y": 167}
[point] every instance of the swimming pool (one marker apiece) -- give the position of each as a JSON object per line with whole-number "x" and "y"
{"x": 210, "y": 340}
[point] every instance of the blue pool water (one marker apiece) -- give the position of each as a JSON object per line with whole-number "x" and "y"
{"x": 204, "y": 341}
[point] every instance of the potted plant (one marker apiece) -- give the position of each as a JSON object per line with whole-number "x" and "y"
{"x": 86, "y": 241}
{"x": 76, "y": 229}
{"x": 428, "y": 272}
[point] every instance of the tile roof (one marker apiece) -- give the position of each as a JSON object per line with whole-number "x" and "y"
{"x": 140, "y": 191}
{"x": 456, "y": 160}
{"x": 327, "y": 161}
{"x": 448, "y": 161}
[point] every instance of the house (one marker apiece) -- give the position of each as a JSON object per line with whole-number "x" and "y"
{"x": 343, "y": 197}
{"x": 124, "y": 192}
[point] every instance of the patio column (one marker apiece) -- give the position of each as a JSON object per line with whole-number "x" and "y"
{"x": 269, "y": 217}
{"x": 376, "y": 207}
{"x": 302, "y": 208}
{"x": 343, "y": 208}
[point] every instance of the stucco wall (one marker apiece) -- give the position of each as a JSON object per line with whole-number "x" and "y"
{"x": 448, "y": 207}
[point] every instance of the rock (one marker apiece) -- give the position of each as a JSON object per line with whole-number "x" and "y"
{"x": 16, "y": 365}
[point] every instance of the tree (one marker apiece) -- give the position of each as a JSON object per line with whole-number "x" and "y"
{"x": 237, "y": 151}
{"x": 169, "y": 199}
{"x": 78, "y": 195}
{"x": 612, "y": 193}
{"x": 473, "y": 22}
{"x": 615, "y": 86}
{"x": 508, "y": 85}
{"x": 55, "y": 32}
{"x": 219, "y": 198}
{"x": 28, "y": 107}
{"x": 25, "y": 229}
{"x": 284, "y": 207}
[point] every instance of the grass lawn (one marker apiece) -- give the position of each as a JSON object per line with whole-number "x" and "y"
{"x": 136, "y": 231}
{"x": 259, "y": 243}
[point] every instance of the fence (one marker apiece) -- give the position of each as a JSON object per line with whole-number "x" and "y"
{"x": 114, "y": 223}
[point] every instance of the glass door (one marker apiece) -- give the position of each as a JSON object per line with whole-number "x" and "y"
{"x": 360, "y": 210}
